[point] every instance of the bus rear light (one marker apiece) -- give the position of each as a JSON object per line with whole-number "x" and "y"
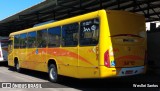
{"x": 106, "y": 59}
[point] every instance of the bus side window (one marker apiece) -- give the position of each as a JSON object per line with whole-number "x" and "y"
{"x": 70, "y": 34}
{"x": 31, "y": 40}
{"x": 16, "y": 41}
{"x": 89, "y": 32}
{"x": 10, "y": 46}
{"x": 54, "y": 35}
{"x": 42, "y": 38}
{"x": 23, "y": 40}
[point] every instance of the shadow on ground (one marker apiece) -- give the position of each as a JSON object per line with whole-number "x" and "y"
{"x": 124, "y": 83}
{"x": 4, "y": 64}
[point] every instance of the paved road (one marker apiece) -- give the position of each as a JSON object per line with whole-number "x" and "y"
{"x": 71, "y": 84}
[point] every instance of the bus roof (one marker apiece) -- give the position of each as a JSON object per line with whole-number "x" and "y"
{"x": 67, "y": 21}
{"x": 61, "y": 22}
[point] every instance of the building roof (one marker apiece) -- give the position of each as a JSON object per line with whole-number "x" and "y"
{"x": 61, "y": 9}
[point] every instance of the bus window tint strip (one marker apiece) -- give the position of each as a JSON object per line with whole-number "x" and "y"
{"x": 89, "y": 32}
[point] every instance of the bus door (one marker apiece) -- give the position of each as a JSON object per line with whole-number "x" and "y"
{"x": 10, "y": 51}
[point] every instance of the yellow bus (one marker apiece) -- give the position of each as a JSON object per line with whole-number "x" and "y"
{"x": 98, "y": 44}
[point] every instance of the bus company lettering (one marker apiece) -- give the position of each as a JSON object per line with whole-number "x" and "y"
{"x": 86, "y": 29}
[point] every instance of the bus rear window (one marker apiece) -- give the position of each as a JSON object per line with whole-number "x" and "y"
{"x": 89, "y": 32}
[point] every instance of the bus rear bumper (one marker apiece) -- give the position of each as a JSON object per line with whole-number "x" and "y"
{"x": 116, "y": 72}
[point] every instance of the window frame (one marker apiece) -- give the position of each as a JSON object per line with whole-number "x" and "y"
{"x": 18, "y": 42}
{"x": 35, "y": 39}
{"x": 59, "y": 36}
{"x": 37, "y": 46}
{"x": 77, "y": 35}
{"x": 92, "y": 36}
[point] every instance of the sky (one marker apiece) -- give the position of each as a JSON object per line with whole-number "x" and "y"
{"x": 11, "y": 7}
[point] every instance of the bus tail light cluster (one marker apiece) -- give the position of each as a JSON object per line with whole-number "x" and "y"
{"x": 106, "y": 59}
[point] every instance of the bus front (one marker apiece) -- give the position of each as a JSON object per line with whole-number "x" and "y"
{"x": 125, "y": 50}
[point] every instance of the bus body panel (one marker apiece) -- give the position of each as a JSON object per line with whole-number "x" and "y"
{"x": 88, "y": 63}
{"x": 104, "y": 41}
{"x": 115, "y": 25}
{"x": 41, "y": 55}
{"x": 68, "y": 56}
{"x": 128, "y": 38}
{"x": 125, "y": 22}
{"x": 35, "y": 59}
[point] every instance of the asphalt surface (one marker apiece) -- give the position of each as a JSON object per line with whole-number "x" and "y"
{"x": 9, "y": 75}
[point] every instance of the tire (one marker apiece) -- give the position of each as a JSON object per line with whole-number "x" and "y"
{"x": 53, "y": 75}
{"x": 17, "y": 67}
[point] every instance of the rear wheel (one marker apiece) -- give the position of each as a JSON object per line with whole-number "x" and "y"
{"x": 53, "y": 75}
{"x": 17, "y": 67}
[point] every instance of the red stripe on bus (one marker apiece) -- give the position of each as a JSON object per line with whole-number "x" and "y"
{"x": 132, "y": 35}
